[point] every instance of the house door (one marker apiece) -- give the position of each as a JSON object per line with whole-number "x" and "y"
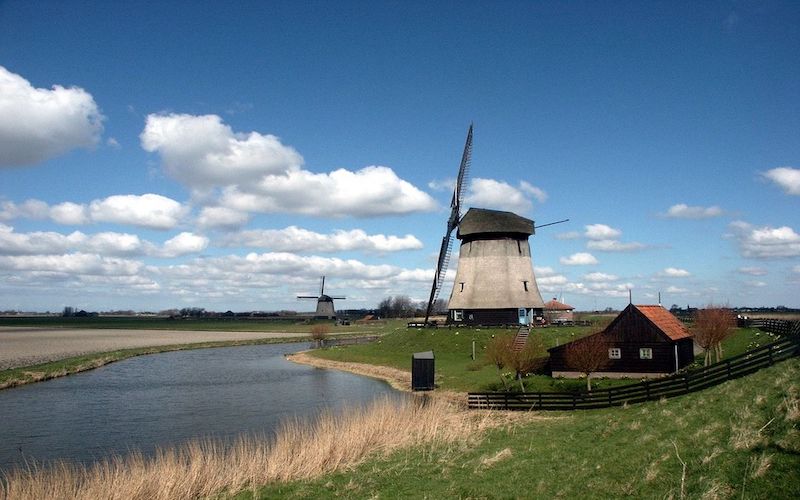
{"x": 524, "y": 319}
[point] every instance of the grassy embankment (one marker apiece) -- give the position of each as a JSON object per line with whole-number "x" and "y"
{"x": 45, "y": 371}
{"x": 456, "y": 371}
{"x": 736, "y": 440}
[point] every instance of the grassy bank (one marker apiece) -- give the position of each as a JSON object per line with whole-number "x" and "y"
{"x": 737, "y": 440}
{"x": 457, "y": 371}
{"x": 300, "y": 450}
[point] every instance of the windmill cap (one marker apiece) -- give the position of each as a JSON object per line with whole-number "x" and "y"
{"x": 483, "y": 221}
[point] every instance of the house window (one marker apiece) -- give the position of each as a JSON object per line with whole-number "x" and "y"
{"x": 614, "y": 353}
{"x": 646, "y": 353}
{"x": 458, "y": 315}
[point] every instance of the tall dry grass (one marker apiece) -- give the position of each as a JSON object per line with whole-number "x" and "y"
{"x": 300, "y": 449}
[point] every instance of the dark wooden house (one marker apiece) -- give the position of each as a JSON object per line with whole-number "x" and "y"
{"x": 643, "y": 341}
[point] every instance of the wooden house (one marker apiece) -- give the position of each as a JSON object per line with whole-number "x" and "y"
{"x": 643, "y": 341}
{"x": 556, "y": 312}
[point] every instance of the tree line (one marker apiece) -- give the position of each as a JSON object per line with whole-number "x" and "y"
{"x": 402, "y": 306}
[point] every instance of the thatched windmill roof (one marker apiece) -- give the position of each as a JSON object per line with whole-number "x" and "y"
{"x": 484, "y": 221}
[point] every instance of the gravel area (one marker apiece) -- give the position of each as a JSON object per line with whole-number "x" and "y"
{"x": 28, "y": 346}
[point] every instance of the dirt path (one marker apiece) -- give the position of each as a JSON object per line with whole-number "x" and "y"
{"x": 28, "y": 346}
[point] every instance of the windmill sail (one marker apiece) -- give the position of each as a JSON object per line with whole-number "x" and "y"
{"x": 452, "y": 223}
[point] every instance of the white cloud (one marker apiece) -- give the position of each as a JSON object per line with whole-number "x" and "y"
{"x": 201, "y": 151}
{"x": 543, "y": 271}
{"x": 614, "y": 246}
{"x": 73, "y": 263}
{"x": 674, "y": 272}
{"x": 578, "y": 259}
{"x": 183, "y": 244}
{"x": 448, "y": 184}
{"x": 601, "y": 232}
{"x": 499, "y": 195}
{"x": 683, "y": 211}
{"x": 371, "y": 191}
{"x": 675, "y": 289}
{"x": 222, "y": 218}
{"x": 538, "y": 193}
{"x": 753, "y": 271}
{"x": 548, "y": 282}
{"x": 787, "y": 178}
{"x": 29, "y": 209}
{"x": 600, "y": 277}
{"x": 69, "y": 213}
{"x": 295, "y": 239}
{"x": 37, "y": 124}
{"x": 766, "y": 242}
{"x": 260, "y": 174}
{"x": 148, "y": 210}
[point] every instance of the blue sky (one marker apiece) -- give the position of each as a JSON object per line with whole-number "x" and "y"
{"x": 225, "y": 155}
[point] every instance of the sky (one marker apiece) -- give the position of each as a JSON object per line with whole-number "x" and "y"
{"x": 226, "y": 155}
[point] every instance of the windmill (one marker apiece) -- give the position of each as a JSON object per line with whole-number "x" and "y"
{"x": 452, "y": 223}
{"x": 325, "y": 308}
{"x": 495, "y": 283}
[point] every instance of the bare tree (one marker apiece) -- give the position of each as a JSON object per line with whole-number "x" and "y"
{"x": 319, "y": 333}
{"x": 530, "y": 359}
{"x": 587, "y": 355}
{"x": 712, "y": 326}
{"x": 497, "y": 353}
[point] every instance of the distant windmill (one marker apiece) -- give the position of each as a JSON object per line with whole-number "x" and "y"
{"x": 495, "y": 283}
{"x": 325, "y": 309}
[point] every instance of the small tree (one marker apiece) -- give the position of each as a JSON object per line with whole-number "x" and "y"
{"x": 587, "y": 355}
{"x": 712, "y": 326}
{"x": 319, "y": 333}
{"x": 528, "y": 360}
{"x": 497, "y": 353}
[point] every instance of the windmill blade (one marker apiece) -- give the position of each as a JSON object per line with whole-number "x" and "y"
{"x": 307, "y": 297}
{"x": 441, "y": 271}
{"x": 463, "y": 173}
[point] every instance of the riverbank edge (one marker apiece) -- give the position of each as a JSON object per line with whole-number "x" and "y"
{"x": 23, "y": 375}
{"x": 398, "y": 379}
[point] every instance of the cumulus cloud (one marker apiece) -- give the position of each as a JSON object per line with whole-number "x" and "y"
{"x": 614, "y": 246}
{"x": 69, "y": 213}
{"x": 674, "y": 272}
{"x": 55, "y": 120}
{"x": 600, "y": 277}
{"x": 787, "y": 178}
{"x": 258, "y": 173}
{"x": 766, "y": 242}
{"x": 683, "y": 211}
{"x": 148, "y": 210}
{"x": 371, "y": 191}
{"x": 222, "y": 218}
{"x": 73, "y": 263}
{"x": 578, "y": 259}
{"x": 499, "y": 195}
{"x": 295, "y": 239}
{"x": 753, "y": 271}
{"x": 104, "y": 244}
{"x": 601, "y": 232}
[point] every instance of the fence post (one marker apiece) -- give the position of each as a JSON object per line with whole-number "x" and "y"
{"x": 647, "y": 389}
{"x": 728, "y": 368}
{"x": 770, "y": 354}
{"x": 506, "y": 400}
{"x": 686, "y": 382}
{"x": 609, "y": 396}
{"x": 540, "y": 400}
{"x": 574, "y": 401}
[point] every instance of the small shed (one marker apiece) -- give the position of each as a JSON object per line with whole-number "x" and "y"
{"x": 422, "y": 371}
{"x": 643, "y": 341}
{"x": 556, "y": 312}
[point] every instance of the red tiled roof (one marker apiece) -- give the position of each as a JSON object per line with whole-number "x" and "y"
{"x": 665, "y": 322}
{"x": 555, "y": 305}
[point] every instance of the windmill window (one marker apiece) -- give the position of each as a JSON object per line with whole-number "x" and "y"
{"x": 646, "y": 353}
{"x": 462, "y": 286}
{"x": 458, "y": 315}
{"x": 525, "y": 285}
{"x": 614, "y": 353}
{"x": 519, "y": 247}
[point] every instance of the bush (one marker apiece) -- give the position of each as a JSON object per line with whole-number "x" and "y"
{"x": 319, "y": 333}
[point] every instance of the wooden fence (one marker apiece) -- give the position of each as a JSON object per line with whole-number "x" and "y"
{"x": 667, "y": 387}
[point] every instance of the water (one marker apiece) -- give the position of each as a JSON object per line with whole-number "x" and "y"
{"x": 168, "y": 398}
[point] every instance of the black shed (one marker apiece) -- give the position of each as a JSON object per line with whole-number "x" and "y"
{"x": 422, "y": 367}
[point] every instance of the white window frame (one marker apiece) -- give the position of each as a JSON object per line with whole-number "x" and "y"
{"x": 458, "y": 315}
{"x": 645, "y": 353}
{"x": 614, "y": 353}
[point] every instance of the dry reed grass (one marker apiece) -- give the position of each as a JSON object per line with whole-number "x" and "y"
{"x": 299, "y": 450}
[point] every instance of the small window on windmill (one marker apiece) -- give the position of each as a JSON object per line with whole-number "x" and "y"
{"x": 462, "y": 286}
{"x": 525, "y": 285}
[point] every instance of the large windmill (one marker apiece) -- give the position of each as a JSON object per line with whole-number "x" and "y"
{"x": 452, "y": 223}
{"x": 325, "y": 309}
{"x": 495, "y": 283}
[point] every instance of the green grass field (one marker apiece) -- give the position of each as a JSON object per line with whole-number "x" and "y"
{"x": 737, "y": 440}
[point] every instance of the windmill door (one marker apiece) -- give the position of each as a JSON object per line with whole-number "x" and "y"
{"x": 524, "y": 318}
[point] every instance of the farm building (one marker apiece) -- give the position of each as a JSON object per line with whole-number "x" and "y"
{"x": 643, "y": 341}
{"x": 556, "y": 312}
{"x": 494, "y": 283}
